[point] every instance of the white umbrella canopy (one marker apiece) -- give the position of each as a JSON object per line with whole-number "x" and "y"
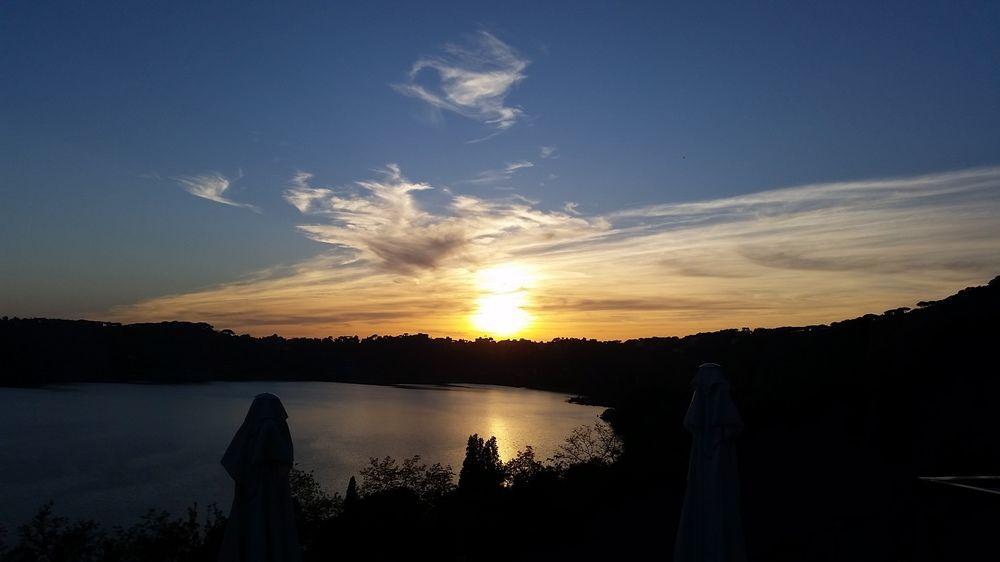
{"x": 710, "y": 528}
{"x": 261, "y": 526}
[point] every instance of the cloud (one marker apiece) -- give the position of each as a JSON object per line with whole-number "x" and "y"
{"x": 500, "y": 174}
{"x": 640, "y": 304}
{"x": 547, "y": 152}
{"x": 384, "y": 223}
{"x": 471, "y": 80}
{"x": 800, "y": 255}
{"x": 514, "y": 166}
{"x": 211, "y": 186}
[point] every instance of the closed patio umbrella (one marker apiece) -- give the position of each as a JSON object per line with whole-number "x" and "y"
{"x": 710, "y": 529}
{"x": 261, "y": 525}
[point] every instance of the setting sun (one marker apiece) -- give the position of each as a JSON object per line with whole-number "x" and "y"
{"x": 500, "y": 309}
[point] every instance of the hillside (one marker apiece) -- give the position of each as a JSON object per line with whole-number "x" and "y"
{"x": 840, "y": 419}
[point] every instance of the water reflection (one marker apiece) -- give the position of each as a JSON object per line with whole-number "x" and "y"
{"x": 499, "y": 429}
{"x": 112, "y": 451}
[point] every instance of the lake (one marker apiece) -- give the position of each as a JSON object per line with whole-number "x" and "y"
{"x": 112, "y": 451}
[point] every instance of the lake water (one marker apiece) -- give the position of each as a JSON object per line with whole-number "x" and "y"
{"x": 111, "y": 451}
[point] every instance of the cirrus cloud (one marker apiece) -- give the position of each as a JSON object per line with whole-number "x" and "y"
{"x": 472, "y": 80}
{"x": 383, "y": 222}
{"x": 799, "y": 255}
{"x": 494, "y": 175}
{"x": 211, "y": 186}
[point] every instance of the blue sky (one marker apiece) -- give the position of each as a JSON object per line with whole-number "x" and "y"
{"x": 114, "y": 115}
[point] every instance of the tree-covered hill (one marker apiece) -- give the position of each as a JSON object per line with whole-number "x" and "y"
{"x": 841, "y": 420}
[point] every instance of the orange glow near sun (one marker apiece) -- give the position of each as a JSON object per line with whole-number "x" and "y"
{"x": 500, "y": 308}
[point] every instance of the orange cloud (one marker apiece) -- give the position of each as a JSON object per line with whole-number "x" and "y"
{"x": 800, "y": 255}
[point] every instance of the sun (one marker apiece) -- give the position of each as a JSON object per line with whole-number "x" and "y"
{"x": 500, "y": 308}
{"x": 501, "y": 315}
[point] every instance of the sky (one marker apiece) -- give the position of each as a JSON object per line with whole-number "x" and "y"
{"x": 525, "y": 169}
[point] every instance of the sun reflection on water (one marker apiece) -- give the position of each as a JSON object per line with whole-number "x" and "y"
{"x": 505, "y": 440}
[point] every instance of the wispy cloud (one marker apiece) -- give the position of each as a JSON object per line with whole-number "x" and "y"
{"x": 472, "y": 80}
{"x": 211, "y": 186}
{"x": 800, "y": 255}
{"x": 514, "y": 166}
{"x": 500, "y": 174}
{"x": 547, "y": 152}
{"x": 383, "y": 222}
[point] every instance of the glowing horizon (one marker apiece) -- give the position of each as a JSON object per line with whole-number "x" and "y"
{"x": 504, "y": 268}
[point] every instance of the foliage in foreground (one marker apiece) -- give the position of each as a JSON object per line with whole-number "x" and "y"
{"x": 157, "y": 537}
{"x": 387, "y": 485}
{"x": 840, "y": 422}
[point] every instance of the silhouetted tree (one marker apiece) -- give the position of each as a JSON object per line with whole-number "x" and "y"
{"x": 428, "y": 483}
{"x": 596, "y": 443}
{"x": 351, "y": 497}
{"x": 523, "y": 468}
{"x": 482, "y": 469}
{"x": 53, "y": 538}
{"x": 313, "y": 506}
{"x": 157, "y": 537}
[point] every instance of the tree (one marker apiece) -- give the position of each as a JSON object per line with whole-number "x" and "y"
{"x": 523, "y": 468}
{"x": 429, "y": 483}
{"x": 313, "y": 506}
{"x": 157, "y": 537}
{"x": 351, "y": 498}
{"x": 589, "y": 444}
{"x": 482, "y": 469}
{"x": 50, "y": 537}
{"x": 314, "y": 503}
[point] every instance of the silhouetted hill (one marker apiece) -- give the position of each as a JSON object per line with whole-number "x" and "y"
{"x": 43, "y": 351}
{"x": 840, "y": 419}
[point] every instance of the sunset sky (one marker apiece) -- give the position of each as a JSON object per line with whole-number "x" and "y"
{"x": 606, "y": 170}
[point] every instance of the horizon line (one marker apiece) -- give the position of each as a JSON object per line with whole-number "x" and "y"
{"x": 919, "y": 305}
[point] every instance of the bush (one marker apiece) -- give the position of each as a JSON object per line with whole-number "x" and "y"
{"x": 314, "y": 506}
{"x": 155, "y": 538}
{"x": 429, "y": 483}
{"x": 588, "y": 445}
{"x": 523, "y": 469}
